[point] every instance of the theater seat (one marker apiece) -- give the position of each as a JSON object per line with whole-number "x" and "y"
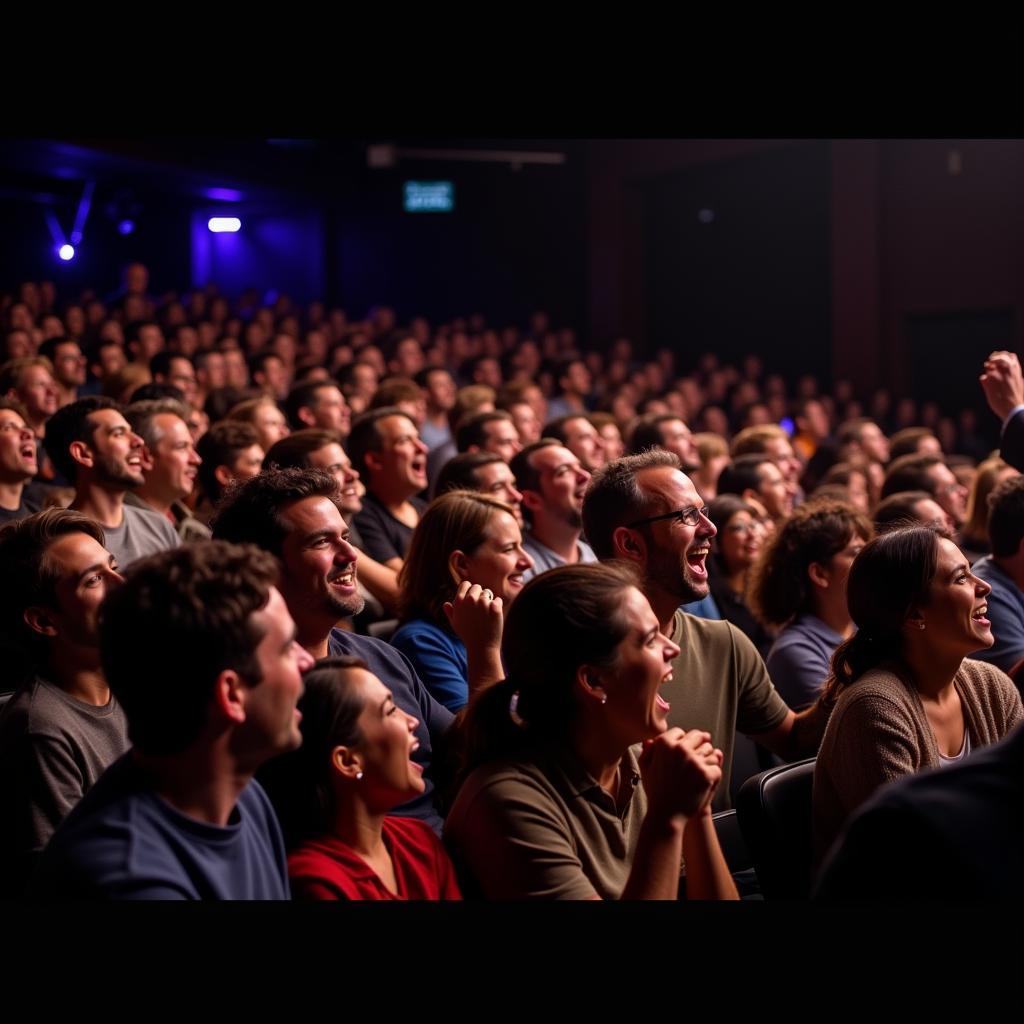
{"x": 730, "y": 838}
{"x": 774, "y": 812}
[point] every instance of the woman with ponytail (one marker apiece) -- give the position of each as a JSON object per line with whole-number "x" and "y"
{"x": 903, "y": 694}
{"x": 559, "y": 798}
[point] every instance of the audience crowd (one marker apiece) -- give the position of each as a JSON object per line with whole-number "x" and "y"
{"x": 298, "y": 606}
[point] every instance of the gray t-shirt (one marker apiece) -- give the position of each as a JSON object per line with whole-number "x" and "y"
{"x": 801, "y": 660}
{"x": 53, "y": 747}
{"x": 544, "y": 558}
{"x": 142, "y": 532}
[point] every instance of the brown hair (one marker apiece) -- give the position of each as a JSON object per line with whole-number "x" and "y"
{"x": 455, "y": 521}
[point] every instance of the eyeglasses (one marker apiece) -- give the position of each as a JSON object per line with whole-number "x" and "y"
{"x": 687, "y": 516}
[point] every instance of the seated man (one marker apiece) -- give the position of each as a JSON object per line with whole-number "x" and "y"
{"x": 62, "y": 728}
{"x": 18, "y": 498}
{"x": 171, "y": 464}
{"x": 295, "y": 515}
{"x": 179, "y": 817}
{"x": 386, "y": 450}
{"x": 490, "y": 431}
{"x": 321, "y": 449}
{"x": 92, "y": 445}
{"x": 552, "y": 483}
{"x": 930, "y": 473}
{"x": 580, "y": 436}
{"x": 229, "y": 451}
{"x": 644, "y": 510}
{"x": 320, "y": 404}
{"x": 484, "y": 472}
{"x": 668, "y": 431}
{"x": 1003, "y": 570}
{"x": 758, "y": 480}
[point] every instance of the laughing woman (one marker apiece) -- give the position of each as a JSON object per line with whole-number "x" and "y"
{"x": 464, "y": 568}
{"x": 333, "y": 794}
{"x": 561, "y": 800}
{"x": 904, "y": 694}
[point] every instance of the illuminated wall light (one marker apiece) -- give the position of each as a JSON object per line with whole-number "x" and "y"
{"x": 126, "y": 226}
{"x": 218, "y": 224}
{"x": 66, "y": 252}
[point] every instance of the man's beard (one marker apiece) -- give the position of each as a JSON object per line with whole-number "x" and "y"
{"x": 112, "y": 472}
{"x": 670, "y": 575}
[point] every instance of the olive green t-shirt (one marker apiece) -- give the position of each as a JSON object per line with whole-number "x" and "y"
{"x": 720, "y": 685}
{"x": 538, "y": 826}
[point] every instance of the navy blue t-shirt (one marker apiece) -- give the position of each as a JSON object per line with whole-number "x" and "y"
{"x": 124, "y": 842}
{"x": 394, "y": 670}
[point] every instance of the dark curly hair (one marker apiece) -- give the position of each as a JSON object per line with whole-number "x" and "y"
{"x": 815, "y": 532}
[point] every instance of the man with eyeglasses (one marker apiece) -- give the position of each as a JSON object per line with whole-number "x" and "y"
{"x": 642, "y": 508}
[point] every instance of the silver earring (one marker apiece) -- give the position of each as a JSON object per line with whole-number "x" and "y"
{"x": 604, "y": 700}
{"x": 920, "y": 625}
{"x": 359, "y": 775}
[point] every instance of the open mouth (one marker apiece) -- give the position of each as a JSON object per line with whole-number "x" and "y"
{"x": 135, "y": 461}
{"x": 695, "y": 559}
{"x": 345, "y": 579}
{"x": 660, "y": 703}
{"x": 980, "y": 616}
{"x": 28, "y": 451}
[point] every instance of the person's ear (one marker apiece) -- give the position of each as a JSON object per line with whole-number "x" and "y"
{"x": 348, "y": 763}
{"x": 40, "y": 620}
{"x": 229, "y": 696}
{"x": 914, "y": 621}
{"x": 305, "y": 414}
{"x": 81, "y": 453}
{"x": 373, "y": 461}
{"x": 458, "y": 565}
{"x": 588, "y": 679}
{"x": 819, "y": 575}
{"x": 223, "y": 475}
{"x": 629, "y": 544}
{"x": 532, "y": 500}
{"x": 146, "y": 455}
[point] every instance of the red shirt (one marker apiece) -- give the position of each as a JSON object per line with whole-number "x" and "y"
{"x": 328, "y": 869}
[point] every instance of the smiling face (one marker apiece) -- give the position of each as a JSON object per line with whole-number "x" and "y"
{"x": 38, "y": 392}
{"x": 775, "y": 495}
{"x": 330, "y": 411}
{"x": 496, "y": 480}
{"x": 271, "y": 717}
{"x": 563, "y": 482}
{"x": 116, "y": 451}
{"x": 643, "y": 664}
{"x": 175, "y": 461}
{"x": 332, "y": 457}
{"x": 739, "y": 542}
{"x": 85, "y": 572}
{"x": 319, "y": 565}
{"x": 386, "y": 744}
{"x": 676, "y": 553}
{"x": 17, "y": 449}
{"x": 269, "y": 421}
{"x": 502, "y": 438}
{"x": 954, "y": 617}
{"x": 499, "y": 562}
{"x": 583, "y": 440}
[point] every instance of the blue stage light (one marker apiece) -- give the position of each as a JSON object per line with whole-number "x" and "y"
{"x": 66, "y": 252}
{"x": 126, "y": 227}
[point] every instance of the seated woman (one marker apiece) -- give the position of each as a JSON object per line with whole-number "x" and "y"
{"x": 904, "y": 695}
{"x": 332, "y": 795}
{"x": 558, "y": 799}
{"x": 464, "y": 568}
{"x": 800, "y": 585}
{"x": 736, "y": 548}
